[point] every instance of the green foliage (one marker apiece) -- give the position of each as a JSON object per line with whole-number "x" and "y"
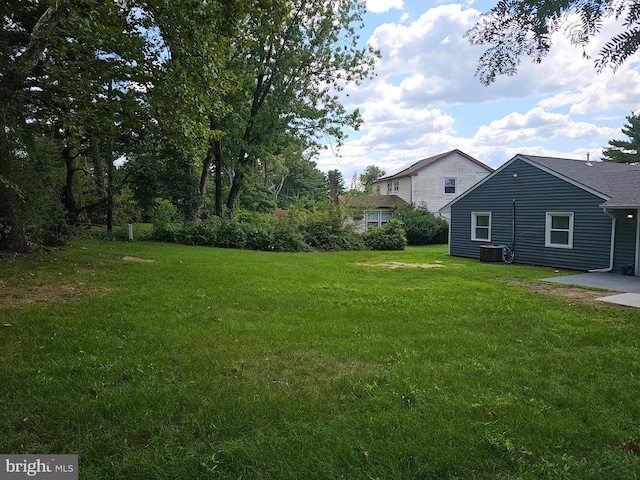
{"x": 164, "y": 212}
{"x": 421, "y": 226}
{"x": 370, "y": 175}
{"x": 622, "y": 151}
{"x": 236, "y": 89}
{"x": 521, "y": 28}
{"x": 337, "y": 174}
{"x": 299, "y": 230}
{"x": 323, "y": 232}
{"x": 41, "y": 180}
{"x": 390, "y": 236}
{"x": 127, "y": 209}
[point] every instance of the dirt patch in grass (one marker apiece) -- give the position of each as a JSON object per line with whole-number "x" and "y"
{"x": 575, "y": 294}
{"x": 12, "y": 296}
{"x": 127, "y": 258}
{"x": 404, "y": 265}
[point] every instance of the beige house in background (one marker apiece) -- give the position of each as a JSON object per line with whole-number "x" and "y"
{"x": 370, "y": 211}
{"x": 434, "y": 181}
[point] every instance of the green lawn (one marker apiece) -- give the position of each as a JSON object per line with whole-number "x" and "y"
{"x": 208, "y": 363}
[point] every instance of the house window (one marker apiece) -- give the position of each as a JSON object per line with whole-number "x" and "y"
{"x": 378, "y": 218}
{"x": 450, "y": 185}
{"x": 481, "y": 226}
{"x": 388, "y": 187}
{"x": 396, "y": 185}
{"x": 559, "y": 230}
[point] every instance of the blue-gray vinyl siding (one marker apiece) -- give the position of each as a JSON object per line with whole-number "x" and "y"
{"x": 533, "y": 193}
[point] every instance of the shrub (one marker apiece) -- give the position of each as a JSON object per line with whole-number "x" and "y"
{"x": 231, "y": 234}
{"x": 421, "y": 226}
{"x": 298, "y": 231}
{"x": 391, "y": 236}
{"x": 205, "y": 233}
{"x": 323, "y": 229}
{"x": 39, "y": 178}
{"x": 49, "y": 226}
{"x": 287, "y": 239}
{"x": 164, "y": 212}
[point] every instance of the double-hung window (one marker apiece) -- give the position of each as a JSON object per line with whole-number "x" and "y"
{"x": 396, "y": 185}
{"x": 450, "y": 185}
{"x": 481, "y": 226}
{"x": 377, "y": 218}
{"x": 559, "y": 230}
{"x": 388, "y": 187}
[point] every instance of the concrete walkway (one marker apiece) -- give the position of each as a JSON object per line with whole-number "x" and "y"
{"x": 606, "y": 281}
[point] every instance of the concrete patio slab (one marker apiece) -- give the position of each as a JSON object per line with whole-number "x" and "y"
{"x": 627, "y": 299}
{"x": 606, "y": 281}
{"x": 603, "y": 280}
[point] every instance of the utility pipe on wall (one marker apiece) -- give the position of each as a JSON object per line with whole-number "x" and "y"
{"x": 513, "y": 225}
{"x": 613, "y": 243}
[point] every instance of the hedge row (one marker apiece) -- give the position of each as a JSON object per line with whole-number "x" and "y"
{"x": 316, "y": 232}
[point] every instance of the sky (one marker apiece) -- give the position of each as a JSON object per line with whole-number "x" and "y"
{"x": 425, "y": 98}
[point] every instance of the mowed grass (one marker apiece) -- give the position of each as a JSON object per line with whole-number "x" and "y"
{"x": 207, "y": 363}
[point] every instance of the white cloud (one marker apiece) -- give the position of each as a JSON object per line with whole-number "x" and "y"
{"x": 381, "y": 6}
{"x": 415, "y": 107}
{"x": 606, "y": 91}
{"x": 537, "y": 125}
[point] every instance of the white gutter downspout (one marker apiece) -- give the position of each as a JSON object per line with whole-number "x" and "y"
{"x": 635, "y": 271}
{"x": 613, "y": 242}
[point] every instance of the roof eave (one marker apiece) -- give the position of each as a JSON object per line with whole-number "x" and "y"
{"x": 620, "y": 206}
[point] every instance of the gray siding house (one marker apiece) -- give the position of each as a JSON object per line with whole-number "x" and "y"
{"x": 555, "y": 212}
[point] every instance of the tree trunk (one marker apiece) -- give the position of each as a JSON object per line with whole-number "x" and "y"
{"x": 217, "y": 153}
{"x": 12, "y": 237}
{"x": 204, "y": 178}
{"x": 259, "y": 95}
{"x": 236, "y": 184}
{"x": 110, "y": 189}
{"x": 98, "y": 167}
{"x": 68, "y": 197}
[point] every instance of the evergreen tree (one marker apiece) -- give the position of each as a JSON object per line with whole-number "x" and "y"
{"x": 623, "y": 151}
{"x": 335, "y": 173}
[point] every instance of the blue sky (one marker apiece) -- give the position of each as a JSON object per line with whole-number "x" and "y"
{"x": 426, "y": 100}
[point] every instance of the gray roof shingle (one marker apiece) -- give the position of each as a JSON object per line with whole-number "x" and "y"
{"x": 380, "y": 201}
{"x": 618, "y": 182}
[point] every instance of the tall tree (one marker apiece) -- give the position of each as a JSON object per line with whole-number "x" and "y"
{"x": 523, "y": 28}
{"x": 28, "y": 28}
{"x": 91, "y": 97}
{"x": 189, "y": 100}
{"x": 370, "y": 175}
{"x": 337, "y": 174}
{"x": 291, "y": 63}
{"x": 58, "y": 59}
{"x": 628, "y": 151}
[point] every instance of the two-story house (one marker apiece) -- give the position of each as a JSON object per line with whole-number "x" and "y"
{"x": 434, "y": 181}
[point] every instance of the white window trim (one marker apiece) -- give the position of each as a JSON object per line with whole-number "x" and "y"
{"x": 474, "y": 226}
{"x": 444, "y": 185}
{"x": 379, "y": 213}
{"x": 548, "y": 229}
{"x": 396, "y": 185}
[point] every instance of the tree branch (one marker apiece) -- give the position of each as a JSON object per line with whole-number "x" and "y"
{"x": 42, "y": 31}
